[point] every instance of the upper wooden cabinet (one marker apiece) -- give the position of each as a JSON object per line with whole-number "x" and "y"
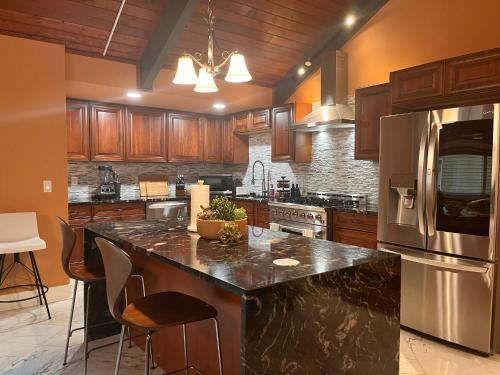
{"x": 260, "y": 120}
{"x": 145, "y": 137}
{"x": 185, "y": 138}
{"x": 286, "y": 144}
{"x": 234, "y": 146}
{"x": 475, "y": 72}
{"x": 371, "y": 104}
{"x": 212, "y": 137}
{"x": 77, "y": 120}
{"x": 242, "y": 121}
{"x": 421, "y": 82}
{"x": 107, "y": 133}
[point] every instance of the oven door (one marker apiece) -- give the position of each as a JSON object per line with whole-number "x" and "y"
{"x": 302, "y": 229}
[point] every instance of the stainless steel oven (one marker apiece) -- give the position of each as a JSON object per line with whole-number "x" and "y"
{"x": 306, "y": 230}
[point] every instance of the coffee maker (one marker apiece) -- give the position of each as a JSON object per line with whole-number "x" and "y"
{"x": 109, "y": 187}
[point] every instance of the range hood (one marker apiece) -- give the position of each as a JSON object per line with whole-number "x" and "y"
{"x": 333, "y": 111}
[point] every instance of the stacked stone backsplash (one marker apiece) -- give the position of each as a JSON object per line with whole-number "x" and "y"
{"x": 333, "y": 168}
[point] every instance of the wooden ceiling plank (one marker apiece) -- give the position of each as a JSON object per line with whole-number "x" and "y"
{"x": 129, "y": 9}
{"x": 314, "y": 8}
{"x": 172, "y": 22}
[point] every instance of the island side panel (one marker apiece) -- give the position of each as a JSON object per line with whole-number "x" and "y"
{"x": 344, "y": 322}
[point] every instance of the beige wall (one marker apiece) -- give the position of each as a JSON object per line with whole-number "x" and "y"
{"x": 406, "y": 33}
{"x": 33, "y": 141}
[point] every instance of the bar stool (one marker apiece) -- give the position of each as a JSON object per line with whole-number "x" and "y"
{"x": 89, "y": 274}
{"x": 19, "y": 234}
{"x": 153, "y": 312}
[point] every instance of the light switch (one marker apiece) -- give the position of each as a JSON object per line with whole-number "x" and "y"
{"x": 47, "y": 186}
{"x": 74, "y": 180}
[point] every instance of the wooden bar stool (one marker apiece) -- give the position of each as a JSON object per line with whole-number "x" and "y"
{"x": 19, "y": 234}
{"x": 89, "y": 274}
{"x": 153, "y": 312}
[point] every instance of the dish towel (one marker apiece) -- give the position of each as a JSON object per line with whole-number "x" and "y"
{"x": 308, "y": 233}
{"x": 275, "y": 227}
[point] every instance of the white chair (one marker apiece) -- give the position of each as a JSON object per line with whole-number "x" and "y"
{"x": 19, "y": 234}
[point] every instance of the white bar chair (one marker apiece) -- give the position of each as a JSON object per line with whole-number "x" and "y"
{"x": 19, "y": 234}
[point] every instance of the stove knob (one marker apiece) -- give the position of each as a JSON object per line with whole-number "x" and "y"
{"x": 295, "y": 213}
{"x": 273, "y": 211}
{"x": 322, "y": 222}
{"x": 318, "y": 217}
{"x": 310, "y": 216}
{"x": 302, "y": 214}
{"x": 281, "y": 212}
{"x": 288, "y": 213}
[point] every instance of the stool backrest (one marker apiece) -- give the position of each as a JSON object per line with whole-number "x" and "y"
{"x": 68, "y": 244}
{"x": 118, "y": 268}
{"x": 18, "y": 226}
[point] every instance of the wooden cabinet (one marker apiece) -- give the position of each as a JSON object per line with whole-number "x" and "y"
{"x": 242, "y": 121}
{"x": 77, "y": 121}
{"x": 417, "y": 83}
{"x": 234, "y": 146}
{"x": 107, "y": 133}
{"x": 118, "y": 211}
{"x": 145, "y": 136}
{"x": 355, "y": 229}
{"x": 371, "y": 104}
{"x": 480, "y": 71}
{"x": 260, "y": 120}
{"x": 212, "y": 138}
{"x": 78, "y": 215}
{"x": 185, "y": 138}
{"x": 261, "y": 214}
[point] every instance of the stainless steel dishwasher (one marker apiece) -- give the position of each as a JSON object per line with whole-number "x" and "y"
{"x": 163, "y": 210}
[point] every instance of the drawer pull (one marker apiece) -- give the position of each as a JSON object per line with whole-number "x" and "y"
{"x": 356, "y": 221}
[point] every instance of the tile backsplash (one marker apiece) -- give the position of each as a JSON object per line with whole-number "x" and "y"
{"x": 333, "y": 168}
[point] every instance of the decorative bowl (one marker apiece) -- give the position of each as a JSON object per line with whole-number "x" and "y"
{"x": 209, "y": 229}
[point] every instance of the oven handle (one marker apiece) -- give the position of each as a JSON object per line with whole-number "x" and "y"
{"x": 294, "y": 230}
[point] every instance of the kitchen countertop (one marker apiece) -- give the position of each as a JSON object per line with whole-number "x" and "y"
{"x": 93, "y": 200}
{"x": 240, "y": 268}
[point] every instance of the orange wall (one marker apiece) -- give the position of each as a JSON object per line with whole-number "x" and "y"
{"x": 33, "y": 141}
{"x": 406, "y": 33}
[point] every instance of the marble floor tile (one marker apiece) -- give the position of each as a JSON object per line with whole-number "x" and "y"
{"x": 32, "y": 344}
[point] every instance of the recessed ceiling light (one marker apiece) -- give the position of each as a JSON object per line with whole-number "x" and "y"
{"x": 219, "y": 106}
{"x": 134, "y": 95}
{"x": 301, "y": 71}
{"x": 350, "y": 20}
{"x": 308, "y": 63}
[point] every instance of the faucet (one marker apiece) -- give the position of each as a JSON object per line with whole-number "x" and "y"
{"x": 264, "y": 192}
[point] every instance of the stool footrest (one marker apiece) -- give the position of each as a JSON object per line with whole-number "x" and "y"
{"x": 45, "y": 289}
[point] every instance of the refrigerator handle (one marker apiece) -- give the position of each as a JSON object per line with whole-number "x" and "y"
{"x": 430, "y": 193}
{"x": 445, "y": 265}
{"x": 421, "y": 183}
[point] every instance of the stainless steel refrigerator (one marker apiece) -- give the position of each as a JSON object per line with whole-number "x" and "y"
{"x": 438, "y": 208}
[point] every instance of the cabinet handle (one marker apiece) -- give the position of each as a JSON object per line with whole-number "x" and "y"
{"x": 357, "y": 221}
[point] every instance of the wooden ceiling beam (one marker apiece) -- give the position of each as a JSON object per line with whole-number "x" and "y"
{"x": 333, "y": 39}
{"x": 171, "y": 24}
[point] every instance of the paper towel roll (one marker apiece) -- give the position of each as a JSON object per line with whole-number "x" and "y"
{"x": 200, "y": 196}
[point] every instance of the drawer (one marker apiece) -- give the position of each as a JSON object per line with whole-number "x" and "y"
{"x": 355, "y": 238}
{"x": 79, "y": 214}
{"x": 117, "y": 211}
{"x": 355, "y": 221}
{"x": 248, "y": 206}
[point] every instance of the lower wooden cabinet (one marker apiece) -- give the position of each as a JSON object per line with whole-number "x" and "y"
{"x": 78, "y": 216}
{"x": 355, "y": 229}
{"x": 257, "y": 212}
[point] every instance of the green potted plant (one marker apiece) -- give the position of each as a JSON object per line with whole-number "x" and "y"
{"x": 212, "y": 219}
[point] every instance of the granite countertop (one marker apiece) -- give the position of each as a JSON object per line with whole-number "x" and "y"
{"x": 94, "y": 200}
{"x": 239, "y": 268}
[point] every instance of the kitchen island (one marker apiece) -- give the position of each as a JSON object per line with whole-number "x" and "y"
{"x": 336, "y": 311}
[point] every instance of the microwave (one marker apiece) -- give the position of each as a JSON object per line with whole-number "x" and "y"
{"x": 220, "y": 184}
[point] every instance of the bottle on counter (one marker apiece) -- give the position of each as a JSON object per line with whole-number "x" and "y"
{"x": 292, "y": 191}
{"x": 180, "y": 186}
{"x": 271, "y": 192}
{"x": 297, "y": 191}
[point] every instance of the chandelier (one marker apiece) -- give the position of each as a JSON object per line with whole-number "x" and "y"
{"x": 204, "y": 81}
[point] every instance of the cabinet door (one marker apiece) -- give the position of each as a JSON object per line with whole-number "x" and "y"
{"x": 78, "y": 215}
{"x": 475, "y": 72}
{"x": 235, "y": 147}
{"x": 262, "y": 215}
{"x": 282, "y": 142}
{"x": 418, "y": 83}
{"x": 212, "y": 150}
{"x": 185, "y": 138}
{"x": 371, "y": 104}
{"x": 77, "y": 121}
{"x": 242, "y": 121}
{"x": 145, "y": 136}
{"x": 106, "y": 128}
{"x": 260, "y": 120}
{"x": 355, "y": 238}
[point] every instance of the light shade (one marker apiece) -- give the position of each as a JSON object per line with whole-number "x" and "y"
{"x": 238, "y": 71}
{"x": 206, "y": 82}
{"x": 185, "y": 74}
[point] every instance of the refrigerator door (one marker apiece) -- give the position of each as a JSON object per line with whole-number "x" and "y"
{"x": 447, "y": 297}
{"x": 403, "y": 155}
{"x": 462, "y": 181}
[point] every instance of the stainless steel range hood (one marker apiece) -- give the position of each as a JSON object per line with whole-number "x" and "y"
{"x": 333, "y": 113}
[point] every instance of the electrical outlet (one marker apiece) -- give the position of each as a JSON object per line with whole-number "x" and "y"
{"x": 47, "y": 186}
{"x": 74, "y": 180}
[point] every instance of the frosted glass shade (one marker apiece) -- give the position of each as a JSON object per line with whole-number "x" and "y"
{"x": 206, "y": 82}
{"x": 238, "y": 71}
{"x": 185, "y": 74}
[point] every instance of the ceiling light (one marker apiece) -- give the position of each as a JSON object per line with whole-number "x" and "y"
{"x": 185, "y": 74}
{"x": 308, "y": 63}
{"x": 134, "y": 94}
{"x": 206, "y": 83}
{"x": 219, "y": 105}
{"x": 350, "y": 20}
{"x": 238, "y": 71}
{"x": 301, "y": 71}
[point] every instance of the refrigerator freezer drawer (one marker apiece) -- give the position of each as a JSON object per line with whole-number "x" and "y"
{"x": 447, "y": 297}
